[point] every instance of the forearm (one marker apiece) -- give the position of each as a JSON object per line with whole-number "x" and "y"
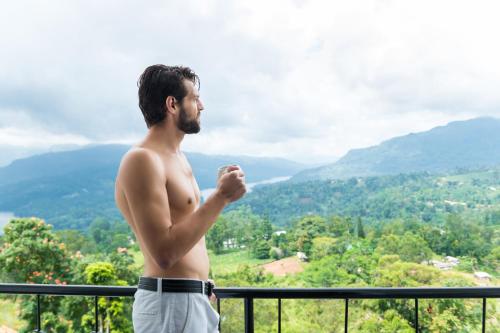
{"x": 183, "y": 236}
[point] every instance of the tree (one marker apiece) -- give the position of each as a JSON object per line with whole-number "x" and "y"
{"x": 327, "y": 272}
{"x": 306, "y": 229}
{"x": 32, "y": 253}
{"x": 465, "y": 238}
{"x": 266, "y": 229}
{"x": 323, "y": 246}
{"x": 391, "y": 322}
{"x": 76, "y": 240}
{"x": 360, "y": 229}
{"x": 216, "y": 235}
{"x": 410, "y": 247}
{"x": 261, "y": 249}
{"x": 114, "y": 316}
{"x": 99, "y": 230}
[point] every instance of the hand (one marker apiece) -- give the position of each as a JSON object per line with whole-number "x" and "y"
{"x": 213, "y": 297}
{"x": 231, "y": 185}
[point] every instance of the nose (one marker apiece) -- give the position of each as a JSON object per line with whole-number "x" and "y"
{"x": 200, "y": 105}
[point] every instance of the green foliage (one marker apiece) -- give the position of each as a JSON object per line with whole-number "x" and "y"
{"x": 261, "y": 249}
{"x": 100, "y": 273}
{"x": 306, "y": 229}
{"x": 328, "y": 272}
{"x": 323, "y": 246}
{"x": 238, "y": 229}
{"x": 217, "y": 234}
{"x": 109, "y": 235}
{"x": 465, "y": 238}
{"x": 382, "y": 241}
{"x": 405, "y": 274}
{"x": 409, "y": 247}
{"x": 276, "y": 253}
{"x": 421, "y": 196}
{"x": 75, "y": 241}
{"x": 390, "y": 322}
{"x": 32, "y": 253}
{"x": 359, "y": 228}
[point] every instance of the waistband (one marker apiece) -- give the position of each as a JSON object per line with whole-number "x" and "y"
{"x": 176, "y": 285}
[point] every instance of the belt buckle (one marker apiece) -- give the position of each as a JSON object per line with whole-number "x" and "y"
{"x": 210, "y": 288}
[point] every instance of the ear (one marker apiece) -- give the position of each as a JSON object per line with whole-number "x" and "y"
{"x": 170, "y": 105}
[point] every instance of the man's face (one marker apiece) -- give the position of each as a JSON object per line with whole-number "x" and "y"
{"x": 190, "y": 109}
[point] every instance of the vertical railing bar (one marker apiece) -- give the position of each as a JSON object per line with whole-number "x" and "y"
{"x": 416, "y": 315}
{"x": 96, "y": 312}
{"x": 249, "y": 315}
{"x": 218, "y": 310}
{"x": 346, "y": 315}
{"x": 279, "y": 315}
{"x": 484, "y": 315}
{"x": 38, "y": 326}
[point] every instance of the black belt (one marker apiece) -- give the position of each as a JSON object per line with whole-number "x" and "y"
{"x": 176, "y": 285}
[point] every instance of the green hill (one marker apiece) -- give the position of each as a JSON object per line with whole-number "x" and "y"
{"x": 420, "y": 195}
{"x": 70, "y": 189}
{"x": 461, "y": 144}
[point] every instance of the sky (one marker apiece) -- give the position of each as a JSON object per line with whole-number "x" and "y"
{"x": 304, "y": 80}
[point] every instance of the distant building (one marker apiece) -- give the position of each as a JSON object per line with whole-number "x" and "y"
{"x": 230, "y": 243}
{"x": 452, "y": 260}
{"x": 302, "y": 256}
{"x": 279, "y": 232}
{"x": 446, "y": 264}
{"x": 482, "y": 276}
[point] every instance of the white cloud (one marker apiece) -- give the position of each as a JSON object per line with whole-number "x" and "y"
{"x": 306, "y": 80}
{"x": 38, "y": 138}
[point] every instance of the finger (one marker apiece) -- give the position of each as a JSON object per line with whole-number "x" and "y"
{"x": 241, "y": 193}
{"x": 232, "y": 168}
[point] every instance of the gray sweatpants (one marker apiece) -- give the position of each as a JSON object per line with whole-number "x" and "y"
{"x": 166, "y": 312}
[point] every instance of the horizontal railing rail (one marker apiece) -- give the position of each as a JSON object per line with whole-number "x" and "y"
{"x": 248, "y": 294}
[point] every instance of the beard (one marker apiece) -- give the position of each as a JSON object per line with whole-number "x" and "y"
{"x": 188, "y": 126}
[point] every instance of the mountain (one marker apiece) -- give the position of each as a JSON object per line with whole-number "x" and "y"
{"x": 461, "y": 144}
{"x": 70, "y": 189}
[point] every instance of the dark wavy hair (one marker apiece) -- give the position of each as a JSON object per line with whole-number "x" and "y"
{"x": 156, "y": 83}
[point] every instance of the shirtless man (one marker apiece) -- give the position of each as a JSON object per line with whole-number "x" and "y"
{"x": 158, "y": 195}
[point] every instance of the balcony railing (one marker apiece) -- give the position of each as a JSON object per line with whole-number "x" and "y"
{"x": 249, "y": 294}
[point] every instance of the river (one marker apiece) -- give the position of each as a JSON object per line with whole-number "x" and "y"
{"x": 206, "y": 192}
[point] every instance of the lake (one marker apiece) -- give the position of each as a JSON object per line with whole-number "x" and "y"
{"x": 5, "y": 217}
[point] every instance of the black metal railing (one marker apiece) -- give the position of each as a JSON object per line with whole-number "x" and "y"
{"x": 250, "y": 294}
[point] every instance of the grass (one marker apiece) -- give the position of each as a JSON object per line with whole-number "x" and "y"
{"x": 9, "y": 314}
{"x": 229, "y": 262}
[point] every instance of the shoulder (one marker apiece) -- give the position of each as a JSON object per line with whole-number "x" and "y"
{"x": 139, "y": 162}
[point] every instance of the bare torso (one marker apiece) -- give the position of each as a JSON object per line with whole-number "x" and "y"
{"x": 184, "y": 199}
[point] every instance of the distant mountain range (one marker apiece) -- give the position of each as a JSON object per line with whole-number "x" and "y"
{"x": 461, "y": 144}
{"x": 69, "y": 189}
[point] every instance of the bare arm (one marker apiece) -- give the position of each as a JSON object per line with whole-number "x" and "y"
{"x": 142, "y": 179}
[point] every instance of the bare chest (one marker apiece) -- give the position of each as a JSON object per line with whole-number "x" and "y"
{"x": 182, "y": 189}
